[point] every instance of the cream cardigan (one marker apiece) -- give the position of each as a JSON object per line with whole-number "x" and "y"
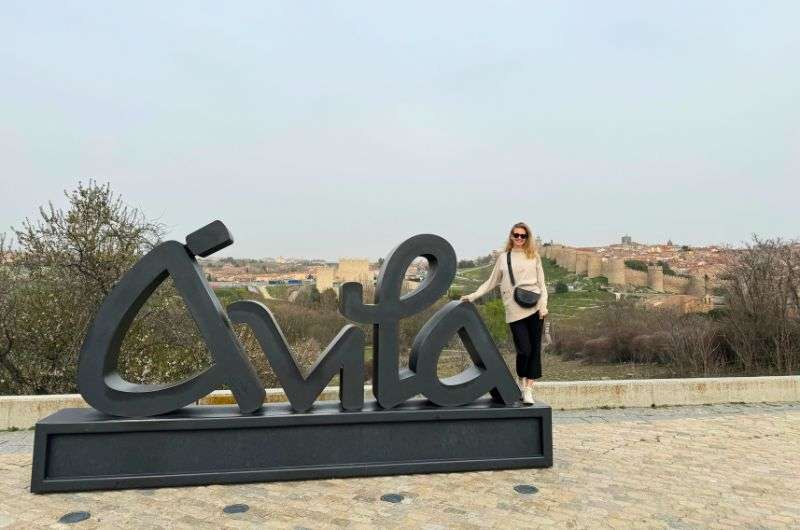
{"x": 528, "y": 273}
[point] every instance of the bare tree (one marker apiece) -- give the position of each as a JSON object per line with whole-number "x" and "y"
{"x": 97, "y": 239}
{"x": 763, "y": 324}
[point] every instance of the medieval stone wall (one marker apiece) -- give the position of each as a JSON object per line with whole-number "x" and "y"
{"x": 614, "y": 270}
{"x": 697, "y": 286}
{"x": 354, "y": 270}
{"x": 582, "y": 263}
{"x": 324, "y": 278}
{"x": 593, "y": 265}
{"x": 635, "y": 278}
{"x": 676, "y": 284}
{"x": 655, "y": 278}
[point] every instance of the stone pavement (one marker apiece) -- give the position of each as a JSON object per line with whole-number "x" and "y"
{"x": 721, "y": 466}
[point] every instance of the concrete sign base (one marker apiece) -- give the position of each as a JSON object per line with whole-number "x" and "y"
{"x": 83, "y": 449}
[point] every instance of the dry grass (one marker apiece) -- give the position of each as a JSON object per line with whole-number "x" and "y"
{"x": 554, "y": 368}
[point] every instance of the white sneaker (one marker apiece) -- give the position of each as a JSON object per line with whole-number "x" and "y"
{"x": 527, "y": 396}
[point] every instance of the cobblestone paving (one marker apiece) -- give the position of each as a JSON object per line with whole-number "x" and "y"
{"x": 728, "y": 466}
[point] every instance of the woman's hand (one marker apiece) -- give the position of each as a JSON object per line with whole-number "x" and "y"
{"x": 464, "y": 298}
{"x": 542, "y": 313}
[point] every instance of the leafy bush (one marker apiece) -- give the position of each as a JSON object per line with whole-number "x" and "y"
{"x": 51, "y": 287}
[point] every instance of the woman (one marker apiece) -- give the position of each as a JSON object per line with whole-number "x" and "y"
{"x": 525, "y": 322}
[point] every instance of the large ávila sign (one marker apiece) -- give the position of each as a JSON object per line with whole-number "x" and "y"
{"x": 139, "y": 435}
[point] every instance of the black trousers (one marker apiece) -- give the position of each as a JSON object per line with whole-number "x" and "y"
{"x": 527, "y": 335}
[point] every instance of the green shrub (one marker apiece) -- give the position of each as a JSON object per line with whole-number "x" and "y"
{"x": 281, "y": 292}
{"x": 667, "y": 269}
{"x": 229, "y": 295}
{"x": 455, "y": 293}
{"x": 636, "y": 264}
{"x": 494, "y": 315}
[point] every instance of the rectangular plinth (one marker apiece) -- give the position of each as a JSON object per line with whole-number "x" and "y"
{"x": 82, "y": 449}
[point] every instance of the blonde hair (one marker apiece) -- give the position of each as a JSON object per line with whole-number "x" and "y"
{"x": 529, "y": 247}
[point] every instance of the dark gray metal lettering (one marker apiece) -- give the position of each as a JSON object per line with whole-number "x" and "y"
{"x": 344, "y": 355}
{"x": 98, "y": 378}
{"x": 392, "y": 385}
{"x": 489, "y": 373}
{"x": 209, "y": 239}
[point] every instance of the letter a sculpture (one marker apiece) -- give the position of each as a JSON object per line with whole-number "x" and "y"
{"x": 152, "y": 435}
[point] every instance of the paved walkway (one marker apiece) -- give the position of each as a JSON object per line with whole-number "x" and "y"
{"x": 725, "y": 466}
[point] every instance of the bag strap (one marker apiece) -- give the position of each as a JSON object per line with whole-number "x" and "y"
{"x": 510, "y": 270}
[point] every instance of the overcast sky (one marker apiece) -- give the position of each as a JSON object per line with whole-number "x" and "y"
{"x": 328, "y": 129}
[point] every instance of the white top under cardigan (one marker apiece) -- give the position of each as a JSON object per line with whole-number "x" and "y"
{"x": 528, "y": 274}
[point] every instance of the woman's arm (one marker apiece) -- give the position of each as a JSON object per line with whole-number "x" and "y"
{"x": 488, "y": 285}
{"x": 543, "y": 285}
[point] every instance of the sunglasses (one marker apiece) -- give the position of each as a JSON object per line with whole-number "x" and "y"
{"x": 516, "y": 235}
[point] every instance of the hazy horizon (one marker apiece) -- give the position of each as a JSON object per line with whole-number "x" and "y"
{"x": 337, "y": 130}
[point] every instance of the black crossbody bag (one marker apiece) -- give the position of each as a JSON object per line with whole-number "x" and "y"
{"x": 523, "y": 297}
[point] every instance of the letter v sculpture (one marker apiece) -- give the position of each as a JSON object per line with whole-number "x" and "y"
{"x": 152, "y": 435}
